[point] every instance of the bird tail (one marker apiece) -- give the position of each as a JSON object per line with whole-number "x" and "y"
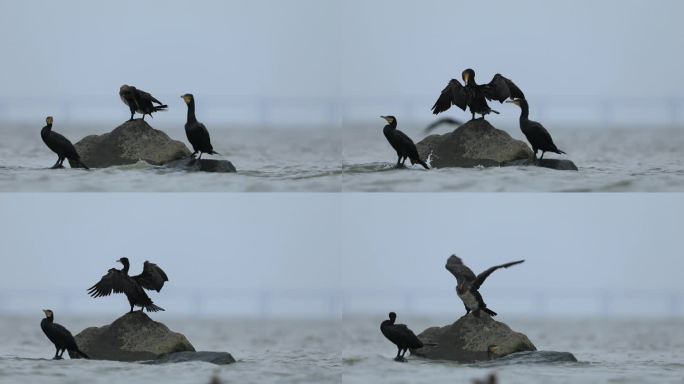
{"x": 160, "y": 108}
{"x": 80, "y": 163}
{"x": 559, "y": 152}
{"x": 153, "y": 308}
{"x": 489, "y": 311}
{"x": 421, "y": 162}
{"x": 83, "y": 354}
{"x": 493, "y": 111}
{"x": 214, "y": 153}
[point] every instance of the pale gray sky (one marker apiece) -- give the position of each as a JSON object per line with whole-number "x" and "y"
{"x": 309, "y": 55}
{"x": 381, "y": 250}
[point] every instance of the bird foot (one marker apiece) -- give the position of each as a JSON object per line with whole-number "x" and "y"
{"x": 57, "y": 166}
{"x": 400, "y": 166}
{"x": 57, "y": 358}
{"x": 400, "y": 359}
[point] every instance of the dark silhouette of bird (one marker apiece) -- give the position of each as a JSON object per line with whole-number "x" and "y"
{"x": 197, "y": 133}
{"x": 59, "y": 336}
{"x": 440, "y": 122}
{"x": 59, "y": 145}
{"x": 475, "y": 96}
{"x": 400, "y": 335}
{"x": 538, "y": 137}
{"x": 118, "y": 281}
{"x": 490, "y": 379}
{"x": 401, "y": 143}
{"x": 140, "y": 101}
{"x": 469, "y": 284}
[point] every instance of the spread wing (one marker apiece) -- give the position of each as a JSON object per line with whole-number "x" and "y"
{"x": 501, "y": 89}
{"x": 482, "y": 276}
{"x": 152, "y": 277}
{"x": 454, "y": 93}
{"x": 460, "y": 271}
{"x": 114, "y": 281}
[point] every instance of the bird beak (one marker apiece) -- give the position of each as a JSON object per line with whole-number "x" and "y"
{"x": 466, "y": 77}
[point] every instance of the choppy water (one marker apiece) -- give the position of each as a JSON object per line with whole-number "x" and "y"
{"x": 356, "y": 159}
{"x": 608, "y": 160}
{"x": 354, "y": 351}
{"x": 267, "y": 351}
{"x": 266, "y": 160}
{"x": 608, "y": 351}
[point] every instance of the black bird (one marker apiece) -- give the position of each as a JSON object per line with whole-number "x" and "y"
{"x": 401, "y": 143}
{"x": 60, "y": 336}
{"x": 468, "y": 284}
{"x": 400, "y": 335}
{"x": 475, "y": 96}
{"x": 59, "y": 145}
{"x": 442, "y": 121}
{"x": 536, "y": 134}
{"x": 140, "y": 101}
{"x": 118, "y": 281}
{"x": 197, "y": 133}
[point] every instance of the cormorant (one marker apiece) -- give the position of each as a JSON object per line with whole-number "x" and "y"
{"x": 536, "y": 134}
{"x": 139, "y": 101}
{"x": 118, "y": 281}
{"x": 60, "y": 336}
{"x": 197, "y": 133}
{"x": 400, "y": 335}
{"x": 468, "y": 284}
{"x": 444, "y": 120}
{"x": 401, "y": 143}
{"x": 475, "y": 96}
{"x": 59, "y": 145}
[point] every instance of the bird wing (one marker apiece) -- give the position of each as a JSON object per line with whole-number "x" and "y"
{"x": 482, "y": 276}
{"x": 152, "y": 277}
{"x": 64, "y": 143}
{"x": 501, "y": 89}
{"x": 147, "y": 96}
{"x": 114, "y": 281}
{"x": 437, "y": 123}
{"x": 460, "y": 271}
{"x": 407, "y": 335}
{"x": 199, "y": 137}
{"x": 542, "y": 137}
{"x": 62, "y": 331}
{"x": 454, "y": 93}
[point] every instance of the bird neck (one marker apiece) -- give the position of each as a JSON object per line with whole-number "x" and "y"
{"x": 125, "y": 268}
{"x": 524, "y": 111}
{"x": 48, "y": 127}
{"x": 391, "y": 125}
{"x": 49, "y": 320}
{"x": 191, "y": 112}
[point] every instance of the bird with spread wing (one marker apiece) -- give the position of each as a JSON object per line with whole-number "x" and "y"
{"x": 118, "y": 281}
{"x": 469, "y": 284}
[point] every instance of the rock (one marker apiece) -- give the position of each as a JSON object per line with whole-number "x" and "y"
{"x": 559, "y": 164}
{"x": 475, "y": 143}
{"x": 219, "y": 358}
{"x": 469, "y": 339}
{"x": 131, "y": 337}
{"x": 127, "y": 144}
{"x": 203, "y": 165}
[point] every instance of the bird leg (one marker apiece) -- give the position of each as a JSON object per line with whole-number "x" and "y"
{"x": 62, "y": 353}
{"x": 56, "y": 353}
{"x": 200, "y": 156}
{"x": 398, "y": 358}
{"x": 56, "y": 164}
{"x": 473, "y": 118}
{"x": 131, "y": 311}
{"x": 542, "y": 156}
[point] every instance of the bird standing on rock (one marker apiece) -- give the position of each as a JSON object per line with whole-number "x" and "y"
{"x": 401, "y": 143}
{"x": 59, "y": 145}
{"x": 469, "y": 284}
{"x": 536, "y": 134}
{"x": 400, "y": 335}
{"x": 475, "y": 96}
{"x": 59, "y": 336}
{"x": 139, "y": 101}
{"x": 197, "y": 133}
{"x": 118, "y": 281}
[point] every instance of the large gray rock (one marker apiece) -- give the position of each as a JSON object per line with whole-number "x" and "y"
{"x": 558, "y": 164}
{"x": 472, "y": 338}
{"x": 127, "y": 144}
{"x": 131, "y": 337}
{"x": 202, "y": 165}
{"x": 220, "y": 358}
{"x": 474, "y": 143}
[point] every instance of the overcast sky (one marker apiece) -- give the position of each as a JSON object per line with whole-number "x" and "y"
{"x": 78, "y": 52}
{"x": 305, "y": 250}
